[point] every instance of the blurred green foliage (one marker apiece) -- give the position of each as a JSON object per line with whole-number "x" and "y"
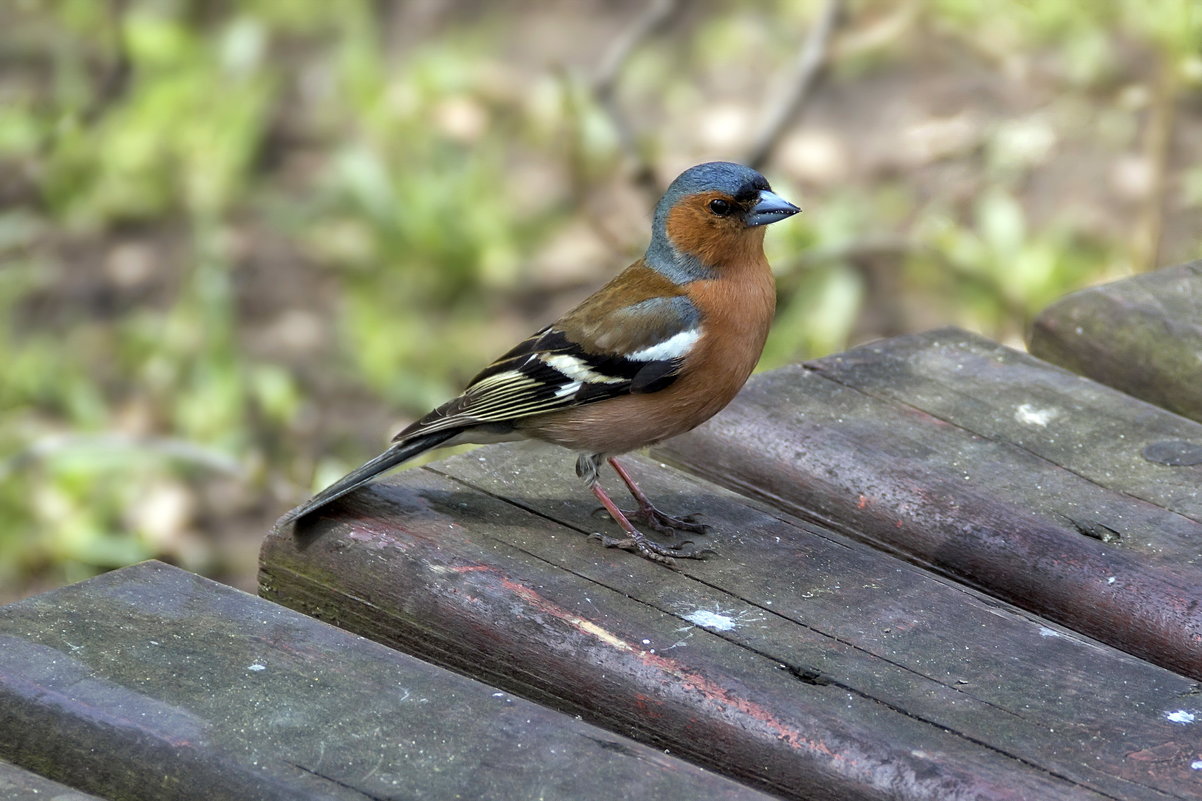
{"x": 231, "y": 228}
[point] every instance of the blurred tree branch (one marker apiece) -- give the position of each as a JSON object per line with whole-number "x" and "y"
{"x": 655, "y": 17}
{"x": 114, "y": 81}
{"x": 780, "y": 113}
{"x": 799, "y": 88}
{"x": 578, "y": 163}
{"x": 1158, "y": 145}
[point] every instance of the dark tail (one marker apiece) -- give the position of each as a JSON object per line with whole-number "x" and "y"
{"x": 401, "y": 452}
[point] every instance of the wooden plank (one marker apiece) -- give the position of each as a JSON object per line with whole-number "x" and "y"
{"x": 1142, "y": 335}
{"x": 990, "y": 466}
{"x": 828, "y": 670}
{"x": 17, "y": 784}
{"x": 1009, "y": 397}
{"x": 152, "y": 683}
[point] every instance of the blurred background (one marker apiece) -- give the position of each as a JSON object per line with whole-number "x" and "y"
{"x": 243, "y": 243}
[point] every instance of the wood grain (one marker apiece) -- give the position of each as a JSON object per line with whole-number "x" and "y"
{"x": 989, "y": 466}
{"x": 1142, "y": 335}
{"x": 152, "y": 683}
{"x": 17, "y": 784}
{"x": 797, "y": 660}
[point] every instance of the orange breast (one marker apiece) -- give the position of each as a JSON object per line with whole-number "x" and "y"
{"x": 736, "y": 311}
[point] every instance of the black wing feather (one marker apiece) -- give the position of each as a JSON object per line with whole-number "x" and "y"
{"x": 549, "y": 371}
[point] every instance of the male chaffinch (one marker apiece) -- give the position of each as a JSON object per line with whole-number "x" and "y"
{"x": 654, "y": 353}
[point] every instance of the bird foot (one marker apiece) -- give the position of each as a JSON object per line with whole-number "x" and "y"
{"x": 649, "y": 549}
{"x": 637, "y": 541}
{"x": 666, "y": 524}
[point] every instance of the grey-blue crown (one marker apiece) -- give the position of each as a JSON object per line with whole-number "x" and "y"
{"x": 715, "y": 176}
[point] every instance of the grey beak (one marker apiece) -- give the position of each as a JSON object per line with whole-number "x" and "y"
{"x": 771, "y": 208}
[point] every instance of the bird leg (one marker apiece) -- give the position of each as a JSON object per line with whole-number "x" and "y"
{"x": 636, "y": 540}
{"x": 647, "y": 513}
{"x": 587, "y": 467}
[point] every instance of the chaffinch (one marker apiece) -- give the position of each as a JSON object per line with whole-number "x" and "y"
{"x": 654, "y": 353}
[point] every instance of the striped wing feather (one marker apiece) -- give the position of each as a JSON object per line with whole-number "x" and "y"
{"x": 551, "y": 370}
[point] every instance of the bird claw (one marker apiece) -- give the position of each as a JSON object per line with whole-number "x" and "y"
{"x": 648, "y": 549}
{"x": 666, "y": 524}
{"x": 662, "y": 523}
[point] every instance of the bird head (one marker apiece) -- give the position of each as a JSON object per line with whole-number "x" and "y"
{"x": 711, "y": 214}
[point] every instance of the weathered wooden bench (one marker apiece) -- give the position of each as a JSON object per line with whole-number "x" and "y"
{"x": 17, "y": 784}
{"x": 152, "y": 683}
{"x": 1143, "y": 336}
{"x": 945, "y": 569}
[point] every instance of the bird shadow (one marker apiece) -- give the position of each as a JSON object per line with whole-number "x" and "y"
{"x": 385, "y": 506}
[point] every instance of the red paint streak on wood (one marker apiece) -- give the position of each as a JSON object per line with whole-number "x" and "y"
{"x": 645, "y": 704}
{"x": 1164, "y": 752}
{"x": 712, "y": 692}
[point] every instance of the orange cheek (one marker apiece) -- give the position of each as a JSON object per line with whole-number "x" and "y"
{"x": 683, "y": 227}
{"x": 693, "y": 231}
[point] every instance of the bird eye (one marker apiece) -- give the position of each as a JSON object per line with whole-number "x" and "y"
{"x": 720, "y": 207}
